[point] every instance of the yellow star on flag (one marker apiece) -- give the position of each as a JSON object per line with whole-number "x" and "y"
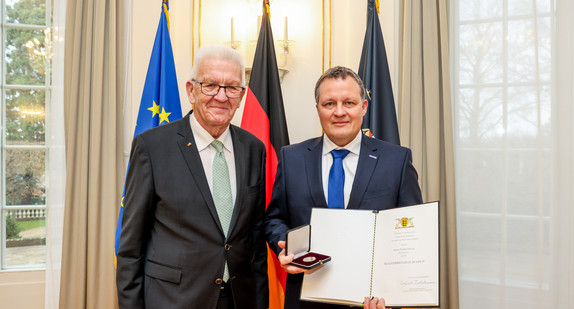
{"x": 163, "y": 116}
{"x": 154, "y": 109}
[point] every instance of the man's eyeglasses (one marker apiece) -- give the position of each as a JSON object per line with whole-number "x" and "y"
{"x": 232, "y": 92}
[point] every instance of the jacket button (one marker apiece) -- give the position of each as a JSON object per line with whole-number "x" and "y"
{"x": 218, "y": 281}
{"x": 227, "y": 247}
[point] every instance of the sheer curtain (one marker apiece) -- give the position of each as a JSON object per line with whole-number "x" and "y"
{"x": 563, "y": 233}
{"x": 56, "y": 162}
{"x": 512, "y": 82}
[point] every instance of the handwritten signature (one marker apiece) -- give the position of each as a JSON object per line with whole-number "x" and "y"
{"x": 417, "y": 282}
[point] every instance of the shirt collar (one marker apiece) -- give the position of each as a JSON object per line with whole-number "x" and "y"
{"x": 353, "y": 146}
{"x": 203, "y": 139}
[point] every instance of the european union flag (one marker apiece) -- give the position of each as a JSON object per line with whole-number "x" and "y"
{"x": 160, "y": 98}
{"x": 380, "y": 119}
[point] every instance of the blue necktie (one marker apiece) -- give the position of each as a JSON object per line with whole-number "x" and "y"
{"x": 337, "y": 180}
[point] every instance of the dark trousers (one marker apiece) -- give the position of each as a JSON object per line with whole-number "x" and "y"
{"x": 225, "y": 297}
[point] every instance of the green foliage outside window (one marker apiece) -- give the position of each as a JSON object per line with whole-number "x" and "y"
{"x": 27, "y": 53}
{"x": 27, "y": 58}
{"x": 12, "y": 228}
{"x": 25, "y": 115}
{"x": 25, "y": 170}
{"x": 26, "y": 50}
{"x": 31, "y": 12}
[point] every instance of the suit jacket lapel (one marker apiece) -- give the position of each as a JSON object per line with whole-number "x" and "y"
{"x": 188, "y": 148}
{"x": 368, "y": 159}
{"x": 240, "y": 152}
{"x": 313, "y": 159}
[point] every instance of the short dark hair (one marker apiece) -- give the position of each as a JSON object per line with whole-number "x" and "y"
{"x": 339, "y": 72}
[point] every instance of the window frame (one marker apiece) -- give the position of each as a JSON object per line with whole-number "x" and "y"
{"x": 4, "y": 87}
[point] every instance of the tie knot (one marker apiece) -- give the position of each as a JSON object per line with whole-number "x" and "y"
{"x": 218, "y": 145}
{"x": 339, "y": 153}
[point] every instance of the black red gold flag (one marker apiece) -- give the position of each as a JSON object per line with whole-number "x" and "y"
{"x": 264, "y": 116}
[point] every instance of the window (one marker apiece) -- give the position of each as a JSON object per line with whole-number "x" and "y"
{"x": 25, "y": 97}
{"x": 502, "y": 82}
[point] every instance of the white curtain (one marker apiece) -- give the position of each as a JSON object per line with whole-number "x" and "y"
{"x": 563, "y": 206}
{"x": 56, "y": 162}
{"x": 514, "y": 142}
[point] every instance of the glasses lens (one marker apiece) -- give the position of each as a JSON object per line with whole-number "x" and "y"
{"x": 213, "y": 90}
{"x": 210, "y": 89}
{"x": 233, "y": 92}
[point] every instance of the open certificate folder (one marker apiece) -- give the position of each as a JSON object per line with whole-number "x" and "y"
{"x": 391, "y": 253}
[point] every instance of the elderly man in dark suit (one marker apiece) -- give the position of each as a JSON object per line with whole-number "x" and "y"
{"x": 377, "y": 174}
{"x": 192, "y": 233}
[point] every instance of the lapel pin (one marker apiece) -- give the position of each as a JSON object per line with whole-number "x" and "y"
{"x": 189, "y": 144}
{"x": 372, "y": 157}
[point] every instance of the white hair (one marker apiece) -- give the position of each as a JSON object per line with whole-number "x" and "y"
{"x": 220, "y": 52}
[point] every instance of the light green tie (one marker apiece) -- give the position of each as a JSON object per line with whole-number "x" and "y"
{"x": 222, "y": 192}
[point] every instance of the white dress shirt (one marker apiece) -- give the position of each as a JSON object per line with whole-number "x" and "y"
{"x": 207, "y": 153}
{"x": 350, "y": 163}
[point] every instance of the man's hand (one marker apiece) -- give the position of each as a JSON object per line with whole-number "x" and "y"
{"x": 286, "y": 259}
{"x": 375, "y": 303}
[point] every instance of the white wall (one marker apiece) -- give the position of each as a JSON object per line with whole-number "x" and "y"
{"x": 348, "y": 22}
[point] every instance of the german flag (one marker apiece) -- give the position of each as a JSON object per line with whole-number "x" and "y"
{"x": 264, "y": 116}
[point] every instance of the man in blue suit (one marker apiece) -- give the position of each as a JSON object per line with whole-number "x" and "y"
{"x": 377, "y": 174}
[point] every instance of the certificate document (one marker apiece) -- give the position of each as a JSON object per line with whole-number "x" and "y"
{"x": 391, "y": 253}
